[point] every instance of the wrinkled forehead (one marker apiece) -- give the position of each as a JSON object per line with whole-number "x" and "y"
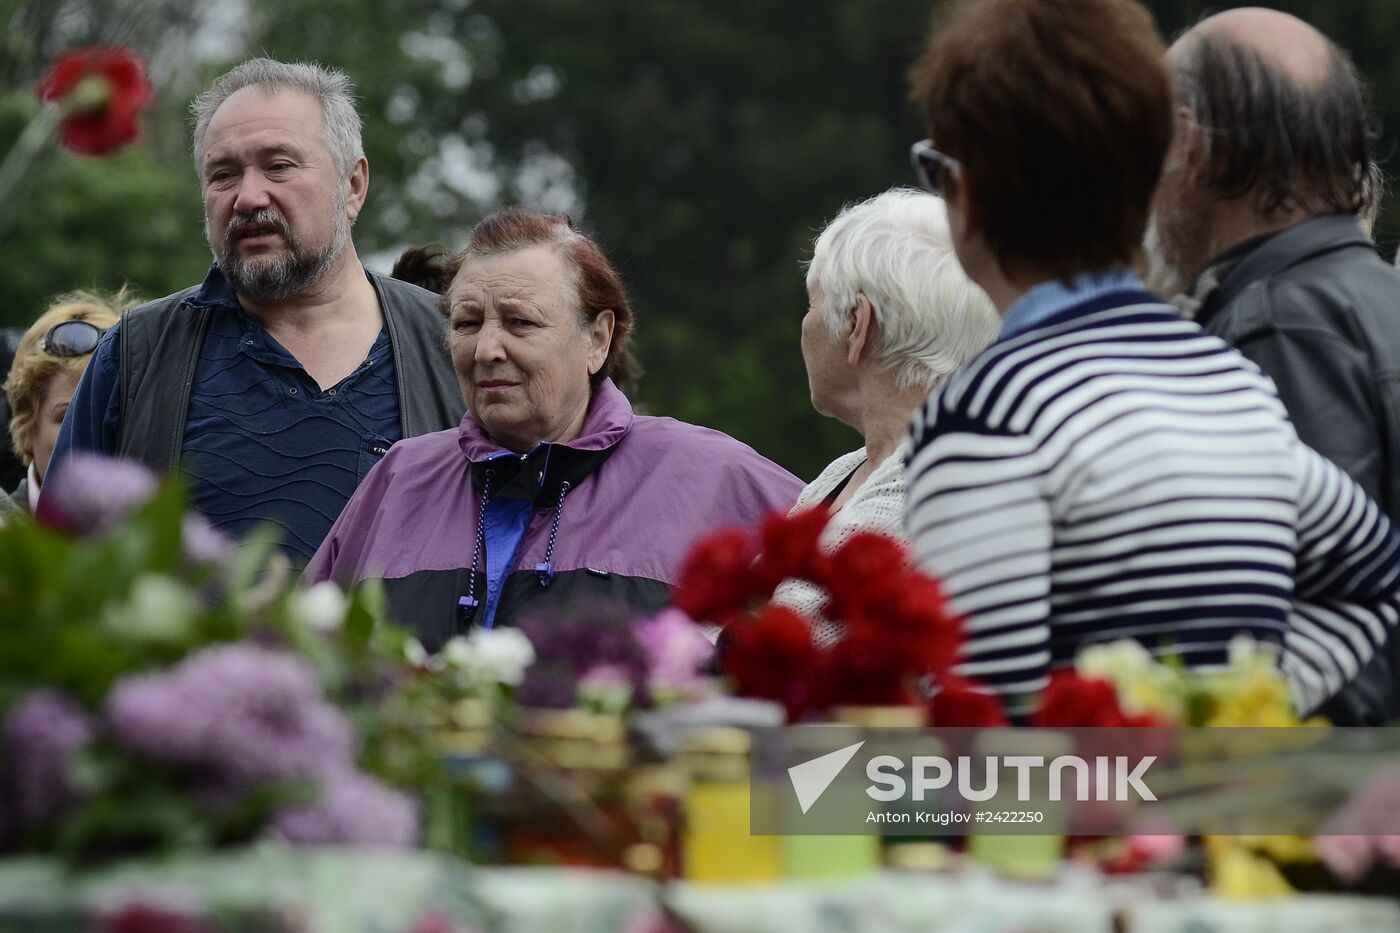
{"x": 261, "y": 115}
{"x": 539, "y": 274}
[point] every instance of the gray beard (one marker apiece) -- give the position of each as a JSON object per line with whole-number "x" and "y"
{"x": 1163, "y": 277}
{"x": 295, "y": 272}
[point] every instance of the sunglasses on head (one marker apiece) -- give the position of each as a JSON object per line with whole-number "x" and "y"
{"x": 930, "y": 165}
{"x": 73, "y": 338}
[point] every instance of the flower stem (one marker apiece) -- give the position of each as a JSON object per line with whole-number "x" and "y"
{"x": 19, "y": 161}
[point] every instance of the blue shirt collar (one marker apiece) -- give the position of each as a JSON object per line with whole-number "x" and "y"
{"x": 1051, "y": 298}
{"x": 216, "y": 291}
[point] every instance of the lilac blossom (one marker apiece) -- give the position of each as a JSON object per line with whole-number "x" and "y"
{"x": 91, "y": 493}
{"x": 43, "y": 732}
{"x": 676, "y": 651}
{"x": 241, "y": 714}
{"x": 352, "y": 809}
{"x": 202, "y": 542}
{"x": 569, "y": 646}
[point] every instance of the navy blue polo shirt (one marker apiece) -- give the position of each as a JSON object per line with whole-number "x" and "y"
{"x": 263, "y": 442}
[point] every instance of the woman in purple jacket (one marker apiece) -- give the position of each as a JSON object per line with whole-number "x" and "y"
{"x": 551, "y": 491}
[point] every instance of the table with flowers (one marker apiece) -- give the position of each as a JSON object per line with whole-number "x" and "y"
{"x": 190, "y": 742}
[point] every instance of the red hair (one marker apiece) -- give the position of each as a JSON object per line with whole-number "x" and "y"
{"x": 596, "y": 279}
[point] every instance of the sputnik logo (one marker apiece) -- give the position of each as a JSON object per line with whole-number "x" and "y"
{"x": 811, "y": 778}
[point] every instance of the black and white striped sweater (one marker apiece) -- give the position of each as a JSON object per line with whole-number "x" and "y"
{"x": 1117, "y": 472}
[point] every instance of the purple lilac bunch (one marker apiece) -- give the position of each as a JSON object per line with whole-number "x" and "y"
{"x": 241, "y": 716}
{"x": 42, "y": 734}
{"x": 570, "y": 649}
{"x": 93, "y": 493}
{"x": 352, "y": 809}
{"x": 245, "y": 713}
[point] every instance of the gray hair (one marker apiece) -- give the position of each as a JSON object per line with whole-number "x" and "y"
{"x": 896, "y": 249}
{"x": 331, "y": 88}
{"x": 1281, "y": 142}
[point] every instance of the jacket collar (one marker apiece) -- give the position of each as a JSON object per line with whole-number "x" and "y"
{"x": 541, "y": 470}
{"x": 1299, "y": 243}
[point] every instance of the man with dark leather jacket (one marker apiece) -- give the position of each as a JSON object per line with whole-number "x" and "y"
{"x": 1263, "y": 208}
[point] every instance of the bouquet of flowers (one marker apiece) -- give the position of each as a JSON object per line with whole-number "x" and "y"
{"x": 162, "y": 690}
{"x": 899, "y": 630}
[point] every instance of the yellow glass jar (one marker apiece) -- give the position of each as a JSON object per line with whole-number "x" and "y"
{"x": 716, "y": 843}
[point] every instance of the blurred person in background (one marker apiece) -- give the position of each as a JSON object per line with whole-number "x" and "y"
{"x": 551, "y": 492}
{"x": 1107, "y": 469}
{"x": 12, "y": 468}
{"x": 1255, "y": 224}
{"x": 890, "y": 317}
{"x": 424, "y": 266}
{"x": 48, "y": 364}
{"x": 280, "y": 380}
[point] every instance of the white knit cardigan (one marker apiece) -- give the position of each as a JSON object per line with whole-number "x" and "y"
{"x": 876, "y": 505}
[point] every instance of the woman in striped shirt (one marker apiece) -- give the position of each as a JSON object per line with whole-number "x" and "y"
{"x": 1106, "y": 469}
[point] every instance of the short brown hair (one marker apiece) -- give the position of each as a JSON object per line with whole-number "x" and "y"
{"x": 33, "y": 368}
{"x": 1060, "y": 112}
{"x": 596, "y": 279}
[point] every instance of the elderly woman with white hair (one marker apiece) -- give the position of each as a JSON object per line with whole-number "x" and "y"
{"x": 890, "y": 317}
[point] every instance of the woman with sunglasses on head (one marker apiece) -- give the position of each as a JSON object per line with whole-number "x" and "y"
{"x": 51, "y": 358}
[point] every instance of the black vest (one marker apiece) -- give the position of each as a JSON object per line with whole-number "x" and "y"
{"x": 161, "y": 343}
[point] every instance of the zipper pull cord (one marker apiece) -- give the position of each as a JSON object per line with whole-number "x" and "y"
{"x": 468, "y": 604}
{"x": 545, "y": 571}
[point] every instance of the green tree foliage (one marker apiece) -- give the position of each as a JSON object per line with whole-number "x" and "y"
{"x": 704, "y": 143}
{"x": 99, "y": 223}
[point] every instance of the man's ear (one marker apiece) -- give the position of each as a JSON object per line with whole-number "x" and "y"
{"x": 1190, "y": 139}
{"x": 357, "y": 188}
{"x": 863, "y": 324}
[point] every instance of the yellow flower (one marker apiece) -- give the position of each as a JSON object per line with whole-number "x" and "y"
{"x": 1237, "y": 872}
{"x": 1143, "y": 684}
{"x": 1252, "y": 691}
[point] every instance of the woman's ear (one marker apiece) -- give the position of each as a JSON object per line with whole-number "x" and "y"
{"x": 964, "y": 217}
{"x": 599, "y": 335}
{"x": 862, "y": 336}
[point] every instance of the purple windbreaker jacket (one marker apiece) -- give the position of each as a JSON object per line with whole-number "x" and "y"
{"x": 622, "y": 503}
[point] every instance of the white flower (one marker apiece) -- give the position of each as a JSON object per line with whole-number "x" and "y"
{"x": 490, "y": 656}
{"x": 1246, "y": 654}
{"x": 159, "y": 610}
{"x": 320, "y": 607}
{"x": 414, "y": 653}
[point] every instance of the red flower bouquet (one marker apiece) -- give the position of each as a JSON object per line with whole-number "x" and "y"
{"x": 899, "y": 629}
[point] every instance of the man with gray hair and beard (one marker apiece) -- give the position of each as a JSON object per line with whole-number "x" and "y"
{"x": 1260, "y": 228}
{"x": 280, "y": 380}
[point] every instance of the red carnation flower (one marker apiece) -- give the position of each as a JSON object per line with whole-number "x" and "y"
{"x": 867, "y": 668}
{"x": 105, "y": 121}
{"x": 717, "y": 576}
{"x": 791, "y": 547}
{"x": 1071, "y": 701}
{"x": 961, "y": 702}
{"x": 865, "y": 572}
{"x": 771, "y": 658}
